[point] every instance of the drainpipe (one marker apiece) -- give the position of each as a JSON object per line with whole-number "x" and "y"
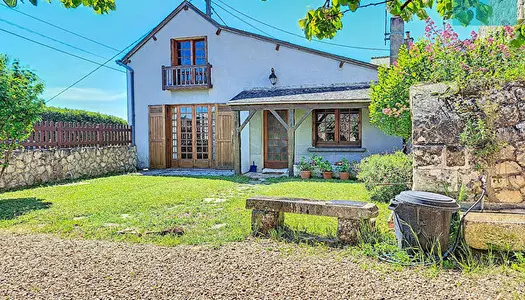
{"x": 131, "y": 93}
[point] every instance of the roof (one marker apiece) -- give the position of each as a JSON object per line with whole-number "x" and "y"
{"x": 337, "y": 93}
{"x": 185, "y": 5}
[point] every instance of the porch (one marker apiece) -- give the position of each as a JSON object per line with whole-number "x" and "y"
{"x": 294, "y": 121}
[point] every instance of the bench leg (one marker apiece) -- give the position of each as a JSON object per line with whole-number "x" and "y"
{"x": 348, "y": 230}
{"x": 265, "y": 221}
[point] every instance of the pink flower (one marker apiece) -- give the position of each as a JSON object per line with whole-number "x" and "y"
{"x": 509, "y": 31}
{"x": 490, "y": 40}
{"x": 474, "y": 35}
{"x": 387, "y": 111}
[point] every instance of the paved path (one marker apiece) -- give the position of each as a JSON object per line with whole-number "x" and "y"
{"x": 43, "y": 267}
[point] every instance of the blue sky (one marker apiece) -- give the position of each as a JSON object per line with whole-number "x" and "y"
{"x": 105, "y": 90}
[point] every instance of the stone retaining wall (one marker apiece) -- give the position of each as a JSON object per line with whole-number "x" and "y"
{"x": 32, "y": 167}
{"x": 442, "y": 164}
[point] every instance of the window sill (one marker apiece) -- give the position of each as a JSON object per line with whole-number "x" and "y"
{"x": 336, "y": 149}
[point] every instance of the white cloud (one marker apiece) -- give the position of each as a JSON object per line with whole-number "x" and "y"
{"x": 84, "y": 94}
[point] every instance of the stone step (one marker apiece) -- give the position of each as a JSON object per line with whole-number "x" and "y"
{"x": 497, "y": 231}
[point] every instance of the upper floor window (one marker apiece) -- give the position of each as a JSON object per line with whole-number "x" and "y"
{"x": 191, "y": 52}
{"x": 337, "y": 127}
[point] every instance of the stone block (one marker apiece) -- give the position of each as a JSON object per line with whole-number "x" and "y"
{"x": 508, "y": 196}
{"x": 517, "y": 181}
{"x": 507, "y": 153}
{"x": 427, "y": 155}
{"x": 507, "y": 168}
{"x": 455, "y": 156}
{"x": 497, "y": 182}
{"x": 499, "y": 231}
{"x": 349, "y": 230}
{"x": 263, "y": 222}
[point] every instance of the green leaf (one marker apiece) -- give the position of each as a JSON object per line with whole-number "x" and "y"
{"x": 10, "y": 3}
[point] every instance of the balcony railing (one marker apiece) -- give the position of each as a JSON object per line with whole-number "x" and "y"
{"x": 186, "y": 77}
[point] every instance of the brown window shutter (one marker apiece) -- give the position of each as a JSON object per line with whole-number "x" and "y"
{"x": 174, "y": 55}
{"x": 157, "y": 137}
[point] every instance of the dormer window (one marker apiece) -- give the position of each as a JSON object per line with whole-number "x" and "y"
{"x": 189, "y": 65}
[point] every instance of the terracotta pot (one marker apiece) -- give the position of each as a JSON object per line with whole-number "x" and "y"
{"x": 328, "y": 175}
{"x": 344, "y": 175}
{"x": 306, "y": 174}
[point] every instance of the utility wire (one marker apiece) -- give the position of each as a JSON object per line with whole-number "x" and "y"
{"x": 241, "y": 19}
{"x": 59, "y": 50}
{"x": 94, "y": 70}
{"x": 295, "y": 34}
{"x": 223, "y": 22}
{"x": 61, "y": 28}
{"x": 52, "y": 39}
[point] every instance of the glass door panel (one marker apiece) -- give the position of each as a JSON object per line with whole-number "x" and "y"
{"x": 186, "y": 136}
{"x": 276, "y": 145}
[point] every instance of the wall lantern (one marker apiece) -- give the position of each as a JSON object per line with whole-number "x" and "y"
{"x": 273, "y": 77}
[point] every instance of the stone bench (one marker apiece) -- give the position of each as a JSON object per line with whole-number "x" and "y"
{"x": 268, "y": 214}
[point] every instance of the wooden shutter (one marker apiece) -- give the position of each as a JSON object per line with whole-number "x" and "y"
{"x": 174, "y": 54}
{"x": 157, "y": 137}
{"x": 224, "y": 138}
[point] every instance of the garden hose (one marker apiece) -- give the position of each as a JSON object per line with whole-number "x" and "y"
{"x": 388, "y": 258}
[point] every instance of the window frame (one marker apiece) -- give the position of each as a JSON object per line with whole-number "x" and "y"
{"x": 337, "y": 142}
{"x": 193, "y": 41}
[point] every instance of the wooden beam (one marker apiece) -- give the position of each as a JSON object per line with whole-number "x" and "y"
{"x": 341, "y": 64}
{"x": 218, "y": 32}
{"x": 237, "y": 143}
{"x": 303, "y": 118}
{"x": 276, "y": 115}
{"x": 291, "y": 141}
{"x": 277, "y": 47}
{"x": 252, "y": 113}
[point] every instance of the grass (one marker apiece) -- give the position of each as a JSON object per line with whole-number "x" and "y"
{"x": 133, "y": 208}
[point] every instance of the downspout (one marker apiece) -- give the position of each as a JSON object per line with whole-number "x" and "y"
{"x": 131, "y": 89}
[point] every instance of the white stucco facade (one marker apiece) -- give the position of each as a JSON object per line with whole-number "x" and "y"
{"x": 240, "y": 62}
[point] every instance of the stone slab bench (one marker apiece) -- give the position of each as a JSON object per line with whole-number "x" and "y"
{"x": 268, "y": 214}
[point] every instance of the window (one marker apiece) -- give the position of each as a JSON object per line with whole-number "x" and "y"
{"x": 188, "y": 52}
{"x": 337, "y": 127}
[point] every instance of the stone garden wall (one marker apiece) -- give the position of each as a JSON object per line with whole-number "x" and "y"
{"x": 32, "y": 167}
{"x": 442, "y": 164}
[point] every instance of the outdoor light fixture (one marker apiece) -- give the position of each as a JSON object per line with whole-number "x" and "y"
{"x": 273, "y": 77}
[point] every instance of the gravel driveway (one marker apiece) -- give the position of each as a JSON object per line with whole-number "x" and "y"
{"x": 39, "y": 266}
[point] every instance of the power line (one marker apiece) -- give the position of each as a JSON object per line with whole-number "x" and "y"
{"x": 61, "y": 28}
{"x": 50, "y": 38}
{"x": 94, "y": 70}
{"x": 223, "y": 22}
{"x": 242, "y": 20}
{"x": 59, "y": 50}
{"x": 295, "y": 34}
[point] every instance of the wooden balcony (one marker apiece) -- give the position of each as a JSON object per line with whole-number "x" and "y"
{"x": 186, "y": 77}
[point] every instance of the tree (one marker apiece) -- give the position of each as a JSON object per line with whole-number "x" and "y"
{"x": 99, "y": 6}
{"x": 20, "y": 106}
{"x": 325, "y": 21}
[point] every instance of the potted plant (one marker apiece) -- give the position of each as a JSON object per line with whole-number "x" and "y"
{"x": 326, "y": 168}
{"x": 343, "y": 168}
{"x": 305, "y": 167}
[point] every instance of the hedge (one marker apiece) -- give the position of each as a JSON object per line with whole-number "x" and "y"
{"x": 57, "y": 114}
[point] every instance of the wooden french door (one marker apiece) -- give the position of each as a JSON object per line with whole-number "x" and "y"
{"x": 275, "y": 141}
{"x": 192, "y": 136}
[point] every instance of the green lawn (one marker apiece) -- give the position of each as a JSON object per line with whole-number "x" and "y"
{"x": 131, "y": 207}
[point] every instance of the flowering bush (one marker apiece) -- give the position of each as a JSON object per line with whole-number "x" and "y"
{"x": 442, "y": 56}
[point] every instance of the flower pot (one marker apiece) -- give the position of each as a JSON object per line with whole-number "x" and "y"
{"x": 344, "y": 175}
{"x": 328, "y": 175}
{"x": 306, "y": 174}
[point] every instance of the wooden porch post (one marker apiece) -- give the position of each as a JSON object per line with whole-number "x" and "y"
{"x": 237, "y": 142}
{"x": 291, "y": 141}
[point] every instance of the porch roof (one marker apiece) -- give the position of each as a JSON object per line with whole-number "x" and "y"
{"x": 354, "y": 95}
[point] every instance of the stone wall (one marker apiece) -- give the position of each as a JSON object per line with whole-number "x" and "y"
{"x": 442, "y": 164}
{"x": 32, "y": 167}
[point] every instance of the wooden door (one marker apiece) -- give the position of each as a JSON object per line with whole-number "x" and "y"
{"x": 157, "y": 137}
{"x": 275, "y": 141}
{"x": 202, "y": 136}
{"x": 224, "y": 136}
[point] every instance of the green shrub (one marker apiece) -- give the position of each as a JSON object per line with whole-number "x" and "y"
{"x": 56, "y": 114}
{"x": 386, "y": 175}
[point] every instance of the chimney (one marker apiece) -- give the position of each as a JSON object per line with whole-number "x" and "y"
{"x": 521, "y": 9}
{"x": 397, "y": 30}
{"x": 208, "y": 8}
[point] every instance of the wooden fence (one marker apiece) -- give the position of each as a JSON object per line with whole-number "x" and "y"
{"x": 71, "y": 135}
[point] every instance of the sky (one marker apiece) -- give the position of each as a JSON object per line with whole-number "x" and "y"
{"x": 105, "y": 90}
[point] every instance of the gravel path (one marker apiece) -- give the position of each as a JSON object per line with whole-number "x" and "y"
{"x": 39, "y": 266}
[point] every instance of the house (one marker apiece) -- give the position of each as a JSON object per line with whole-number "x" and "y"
{"x": 204, "y": 95}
